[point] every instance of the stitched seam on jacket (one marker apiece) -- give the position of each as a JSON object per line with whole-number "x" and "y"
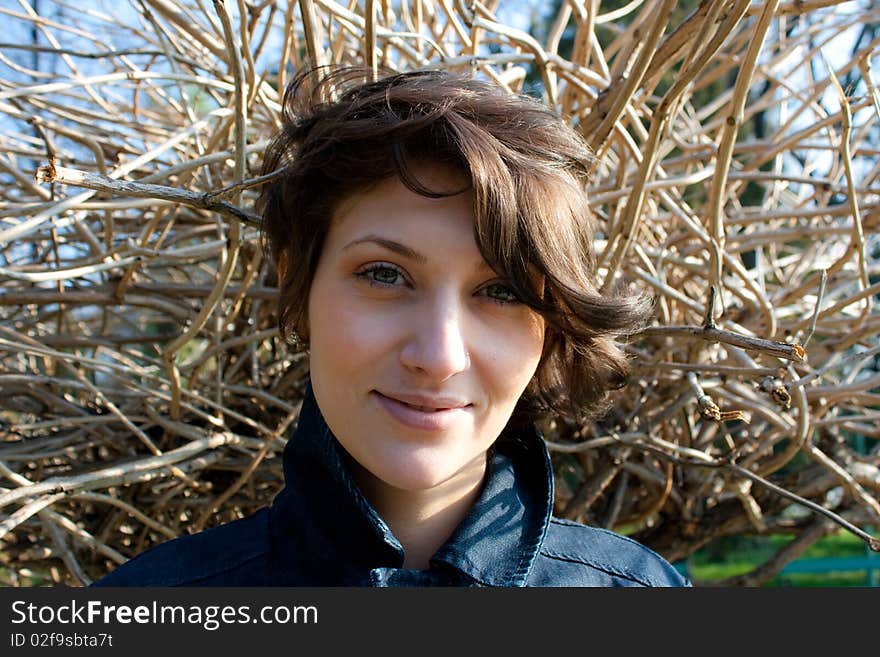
{"x": 537, "y": 544}
{"x": 611, "y": 571}
{"x": 606, "y": 532}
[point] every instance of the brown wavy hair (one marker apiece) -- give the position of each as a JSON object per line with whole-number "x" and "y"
{"x": 342, "y": 134}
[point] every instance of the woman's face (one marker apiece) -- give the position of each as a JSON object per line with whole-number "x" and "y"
{"x": 419, "y": 352}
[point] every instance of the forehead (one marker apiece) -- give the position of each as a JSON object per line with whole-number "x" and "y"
{"x": 389, "y": 206}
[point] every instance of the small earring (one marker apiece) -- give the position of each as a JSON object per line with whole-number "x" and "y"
{"x": 294, "y": 339}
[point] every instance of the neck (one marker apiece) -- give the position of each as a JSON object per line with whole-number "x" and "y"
{"x": 423, "y": 520}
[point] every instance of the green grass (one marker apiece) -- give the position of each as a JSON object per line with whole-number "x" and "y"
{"x": 729, "y": 557}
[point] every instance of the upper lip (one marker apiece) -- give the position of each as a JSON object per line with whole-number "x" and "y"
{"x": 428, "y": 401}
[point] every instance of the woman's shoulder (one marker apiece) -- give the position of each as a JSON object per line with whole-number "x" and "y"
{"x": 573, "y": 554}
{"x": 229, "y": 555}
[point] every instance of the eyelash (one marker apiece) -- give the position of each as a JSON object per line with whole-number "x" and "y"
{"x": 366, "y": 274}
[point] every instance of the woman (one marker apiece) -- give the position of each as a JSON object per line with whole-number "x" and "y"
{"x": 434, "y": 252}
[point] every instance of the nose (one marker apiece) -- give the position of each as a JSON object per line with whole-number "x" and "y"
{"x": 437, "y": 345}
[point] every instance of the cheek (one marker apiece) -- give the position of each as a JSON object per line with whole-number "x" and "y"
{"x": 531, "y": 340}
{"x": 343, "y": 332}
{"x": 514, "y": 356}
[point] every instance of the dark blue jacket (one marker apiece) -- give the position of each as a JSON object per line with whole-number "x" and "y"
{"x": 321, "y": 531}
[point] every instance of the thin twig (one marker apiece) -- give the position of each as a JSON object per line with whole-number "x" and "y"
{"x": 203, "y": 201}
{"x": 793, "y": 352}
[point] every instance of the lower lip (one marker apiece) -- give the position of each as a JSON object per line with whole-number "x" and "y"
{"x": 416, "y": 419}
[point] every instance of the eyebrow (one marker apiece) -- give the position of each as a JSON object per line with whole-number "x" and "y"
{"x": 402, "y": 249}
{"x": 391, "y": 245}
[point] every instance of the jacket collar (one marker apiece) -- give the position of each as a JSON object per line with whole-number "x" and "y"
{"x": 495, "y": 545}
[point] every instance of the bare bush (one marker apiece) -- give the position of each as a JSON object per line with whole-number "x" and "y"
{"x": 146, "y": 393}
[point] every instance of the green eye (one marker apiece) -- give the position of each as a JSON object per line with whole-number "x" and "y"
{"x": 385, "y": 275}
{"x": 500, "y": 292}
{"x": 382, "y": 275}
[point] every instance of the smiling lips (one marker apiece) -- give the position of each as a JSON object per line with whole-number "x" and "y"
{"x": 421, "y": 412}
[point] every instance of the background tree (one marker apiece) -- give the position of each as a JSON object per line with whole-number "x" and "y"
{"x": 146, "y": 393}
